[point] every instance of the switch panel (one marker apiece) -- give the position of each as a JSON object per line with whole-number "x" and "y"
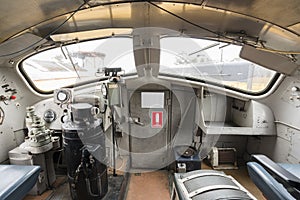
{"x": 8, "y": 91}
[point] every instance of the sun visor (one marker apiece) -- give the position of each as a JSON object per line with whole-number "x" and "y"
{"x": 269, "y": 60}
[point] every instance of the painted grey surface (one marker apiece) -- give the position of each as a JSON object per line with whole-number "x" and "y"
{"x": 223, "y": 115}
{"x": 246, "y": 16}
{"x": 11, "y": 131}
{"x": 216, "y": 107}
{"x": 283, "y": 147}
{"x": 148, "y": 146}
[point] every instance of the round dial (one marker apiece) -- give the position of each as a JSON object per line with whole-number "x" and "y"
{"x": 62, "y": 96}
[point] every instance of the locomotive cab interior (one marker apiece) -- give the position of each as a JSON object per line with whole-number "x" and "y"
{"x": 149, "y": 99}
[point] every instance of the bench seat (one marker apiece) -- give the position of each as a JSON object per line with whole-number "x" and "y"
{"x": 17, "y": 180}
{"x": 277, "y": 181}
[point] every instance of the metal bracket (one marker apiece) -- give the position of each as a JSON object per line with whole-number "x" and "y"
{"x": 1, "y": 116}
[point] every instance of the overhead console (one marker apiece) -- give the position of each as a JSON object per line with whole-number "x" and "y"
{"x": 225, "y": 115}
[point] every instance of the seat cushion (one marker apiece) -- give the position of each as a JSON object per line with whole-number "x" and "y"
{"x": 292, "y": 168}
{"x": 266, "y": 183}
{"x": 17, "y": 180}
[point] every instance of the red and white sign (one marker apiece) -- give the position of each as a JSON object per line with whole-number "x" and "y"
{"x": 157, "y": 119}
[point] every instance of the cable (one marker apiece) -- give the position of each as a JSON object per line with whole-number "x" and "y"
{"x": 165, "y": 10}
{"x": 220, "y": 35}
{"x": 48, "y": 35}
{"x": 114, "y": 141}
{"x": 185, "y": 20}
{"x": 192, "y": 23}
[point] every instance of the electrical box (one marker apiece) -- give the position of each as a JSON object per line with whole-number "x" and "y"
{"x": 223, "y": 158}
{"x": 186, "y": 159}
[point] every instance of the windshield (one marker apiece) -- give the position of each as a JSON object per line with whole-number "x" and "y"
{"x": 67, "y": 65}
{"x": 214, "y": 62}
{"x": 203, "y": 60}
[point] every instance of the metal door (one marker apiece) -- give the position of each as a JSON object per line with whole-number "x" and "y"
{"x": 149, "y": 136}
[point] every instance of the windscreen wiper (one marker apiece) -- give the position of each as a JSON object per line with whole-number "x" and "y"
{"x": 205, "y": 48}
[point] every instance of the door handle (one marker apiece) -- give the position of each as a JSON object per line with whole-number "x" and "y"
{"x": 136, "y": 120}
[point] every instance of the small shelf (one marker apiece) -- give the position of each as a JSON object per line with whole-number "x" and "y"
{"x": 220, "y": 124}
{"x": 241, "y": 117}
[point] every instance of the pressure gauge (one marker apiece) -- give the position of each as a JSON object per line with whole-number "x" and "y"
{"x": 63, "y": 96}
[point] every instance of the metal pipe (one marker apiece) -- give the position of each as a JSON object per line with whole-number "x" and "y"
{"x": 286, "y": 124}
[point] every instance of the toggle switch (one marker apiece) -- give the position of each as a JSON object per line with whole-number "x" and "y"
{"x": 295, "y": 89}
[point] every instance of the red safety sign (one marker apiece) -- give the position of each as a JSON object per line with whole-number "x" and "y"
{"x": 157, "y": 119}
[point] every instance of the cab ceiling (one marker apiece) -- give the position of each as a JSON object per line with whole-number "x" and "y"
{"x": 18, "y": 15}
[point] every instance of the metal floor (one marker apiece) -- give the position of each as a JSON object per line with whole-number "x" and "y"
{"x": 155, "y": 185}
{"x": 241, "y": 175}
{"x": 149, "y": 186}
{"x": 143, "y": 186}
{"x": 61, "y": 190}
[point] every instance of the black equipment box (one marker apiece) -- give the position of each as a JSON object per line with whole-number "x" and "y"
{"x": 186, "y": 157}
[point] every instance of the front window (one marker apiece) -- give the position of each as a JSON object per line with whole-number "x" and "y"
{"x": 67, "y": 65}
{"x": 214, "y": 62}
{"x": 203, "y": 60}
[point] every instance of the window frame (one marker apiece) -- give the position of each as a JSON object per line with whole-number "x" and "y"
{"x": 268, "y": 86}
{"x": 92, "y": 80}
{"x": 30, "y": 82}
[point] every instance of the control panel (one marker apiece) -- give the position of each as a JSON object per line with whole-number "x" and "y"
{"x": 8, "y": 91}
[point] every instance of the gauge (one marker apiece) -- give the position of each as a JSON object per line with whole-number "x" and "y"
{"x": 49, "y": 116}
{"x": 63, "y": 96}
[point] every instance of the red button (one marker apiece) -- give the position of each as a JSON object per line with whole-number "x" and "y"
{"x": 12, "y": 97}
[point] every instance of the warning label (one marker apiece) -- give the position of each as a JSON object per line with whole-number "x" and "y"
{"x": 157, "y": 119}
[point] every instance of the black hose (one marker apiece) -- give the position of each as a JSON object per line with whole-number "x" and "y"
{"x": 114, "y": 143}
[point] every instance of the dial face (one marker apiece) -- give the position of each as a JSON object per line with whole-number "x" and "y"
{"x": 62, "y": 96}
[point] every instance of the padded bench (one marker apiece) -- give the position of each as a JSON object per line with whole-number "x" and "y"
{"x": 17, "y": 180}
{"x": 277, "y": 181}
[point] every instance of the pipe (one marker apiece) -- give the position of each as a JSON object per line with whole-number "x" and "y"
{"x": 286, "y": 124}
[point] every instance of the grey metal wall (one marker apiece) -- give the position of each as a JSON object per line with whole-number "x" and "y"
{"x": 11, "y": 130}
{"x": 286, "y": 107}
